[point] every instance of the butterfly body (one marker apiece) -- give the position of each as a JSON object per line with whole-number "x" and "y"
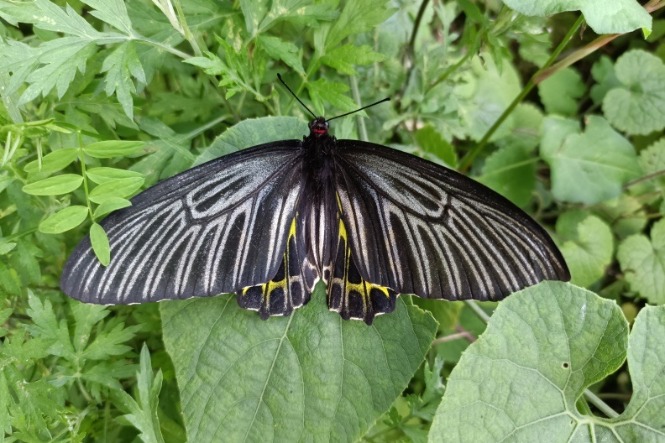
{"x": 269, "y": 222}
{"x": 318, "y": 212}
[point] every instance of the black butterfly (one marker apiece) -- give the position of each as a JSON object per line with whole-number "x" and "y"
{"x": 270, "y": 221}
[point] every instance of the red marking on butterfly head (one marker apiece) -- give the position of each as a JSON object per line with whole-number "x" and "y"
{"x": 318, "y": 127}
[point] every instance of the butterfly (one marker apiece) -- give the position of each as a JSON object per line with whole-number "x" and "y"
{"x": 269, "y": 222}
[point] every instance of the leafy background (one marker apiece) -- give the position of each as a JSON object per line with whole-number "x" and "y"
{"x": 558, "y": 105}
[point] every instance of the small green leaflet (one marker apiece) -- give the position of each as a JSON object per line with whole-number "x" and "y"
{"x": 64, "y": 220}
{"x": 100, "y": 244}
{"x": 60, "y": 184}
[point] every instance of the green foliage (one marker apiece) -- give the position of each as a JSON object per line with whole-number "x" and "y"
{"x": 142, "y": 414}
{"x": 511, "y": 172}
{"x": 560, "y": 92}
{"x": 587, "y": 167}
{"x": 435, "y": 147}
{"x": 66, "y": 357}
{"x": 587, "y": 245}
{"x": 636, "y": 105}
{"x": 643, "y": 261}
{"x": 652, "y": 158}
{"x": 482, "y": 102}
{"x": 102, "y": 98}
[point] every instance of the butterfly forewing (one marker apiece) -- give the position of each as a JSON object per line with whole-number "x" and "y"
{"x": 215, "y": 228}
{"x": 420, "y": 228}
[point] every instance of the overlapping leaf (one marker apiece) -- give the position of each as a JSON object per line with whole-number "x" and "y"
{"x": 636, "y": 106}
{"x": 643, "y": 263}
{"x": 522, "y": 380}
{"x": 587, "y": 245}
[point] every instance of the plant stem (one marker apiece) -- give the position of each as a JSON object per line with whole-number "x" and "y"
{"x": 362, "y": 129}
{"x": 18, "y": 235}
{"x": 644, "y": 179}
{"x": 471, "y": 155}
{"x": 456, "y": 336}
{"x": 574, "y": 57}
{"x": 478, "y": 310}
{"x": 212, "y": 123}
{"x": 601, "y": 405}
{"x": 163, "y": 46}
{"x": 407, "y": 58}
{"x": 185, "y": 28}
{"x": 86, "y": 190}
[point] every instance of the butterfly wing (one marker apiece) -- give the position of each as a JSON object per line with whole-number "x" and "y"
{"x": 216, "y": 228}
{"x": 422, "y": 229}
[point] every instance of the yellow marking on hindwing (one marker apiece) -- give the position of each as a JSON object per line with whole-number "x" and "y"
{"x": 343, "y": 293}
{"x": 269, "y": 287}
{"x": 339, "y": 203}
{"x": 363, "y": 287}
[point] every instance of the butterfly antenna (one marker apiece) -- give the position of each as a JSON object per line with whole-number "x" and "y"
{"x": 294, "y": 95}
{"x": 358, "y": 110}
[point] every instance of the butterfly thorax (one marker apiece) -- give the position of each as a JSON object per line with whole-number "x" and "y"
{"x": 319, "y": 147}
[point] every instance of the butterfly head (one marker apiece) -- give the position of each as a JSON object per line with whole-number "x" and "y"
{"x": 319, "y": 127}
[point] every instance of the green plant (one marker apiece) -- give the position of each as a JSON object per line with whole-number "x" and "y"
{"x": 102, "y": 98}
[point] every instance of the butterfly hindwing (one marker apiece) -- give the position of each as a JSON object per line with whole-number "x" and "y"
{"x": 212, "y": 229}
{"x": 420, "y": 228}
{"x": 349, "y": 293}
{"x": 286, "y": 291}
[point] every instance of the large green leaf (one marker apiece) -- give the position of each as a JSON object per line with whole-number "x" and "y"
{"x": 521, "y": 381}
{"x": 604, "y": 17}
{"x": 309, "y": 376}
{"x": 252, "y": 132}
